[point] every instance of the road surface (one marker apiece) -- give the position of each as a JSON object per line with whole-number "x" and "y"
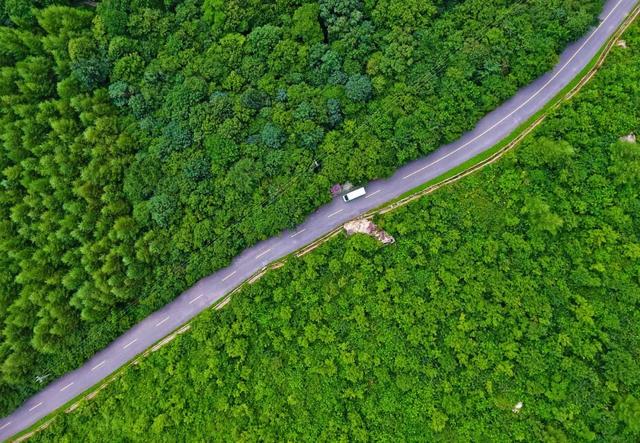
{"x": 490, "y": 130}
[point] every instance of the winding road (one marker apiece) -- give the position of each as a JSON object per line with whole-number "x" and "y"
{"x": 490, "y": 130}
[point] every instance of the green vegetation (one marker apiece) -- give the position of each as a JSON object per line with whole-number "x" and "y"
{"x": 146, "y": 142}
{"x": 518, "y": 283}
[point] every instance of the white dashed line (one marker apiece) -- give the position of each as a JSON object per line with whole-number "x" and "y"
{"x": 373, "y": 193}
{"x": 5, "y": 425}
{"x": 262, "y": 253}
{"x": 229, "y": 276}
{"x": 33, "y": 407}
{"x": 523, "y": 104}
{"x": 98, "y": 365}
{"x": 65, "y": 388}
{"x": 337, "y": 212}
{"x": 162, "y": 321}
{"x": 130, "y": 343}
{"x": 197, "y": 298}
{"x": 297, "y": 233}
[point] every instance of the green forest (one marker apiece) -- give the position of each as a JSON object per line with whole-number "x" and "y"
{"x": 520, "y": 283}
{"x": 147, "y": 142}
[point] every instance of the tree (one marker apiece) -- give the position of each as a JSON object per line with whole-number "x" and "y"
{"x": 88, "y": 62}
{"x": 335, "y": 112}
{"x": 305, "y": 23}
{"x": 358, "y": 88}
{"x": 547, "y": 152}
{"x": 272, "y": 136}
{"x": 340, "y": 16}
{"x": 628, "y": 411}
{"x": 162, "y": 208}
{"x": 113, "y": 16}
{"x": 540, "y": 215}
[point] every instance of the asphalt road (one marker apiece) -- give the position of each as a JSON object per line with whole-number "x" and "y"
{"x": 489, "y": 131}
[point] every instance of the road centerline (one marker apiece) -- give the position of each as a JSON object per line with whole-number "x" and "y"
{"x": 263, "y": 253}
{"x": 130, "y": 343}
{"x": 229, "y": 276}
{"x": 334, "y": 213}
{"x": 162, "y": 321}
{"x": 98, "y": 365}
{"x": 5, "y": 425}
{"x": 298, "y": 233}
{"x": 36, "y": 406}
{"x": 373, "y": 193}
{"x": 65, "y": 388}
{"x": 196, "y": 298}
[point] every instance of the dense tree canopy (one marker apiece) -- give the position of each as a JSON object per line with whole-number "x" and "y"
{"x": 146, "y": 142}
{"x": 520, "y": 283}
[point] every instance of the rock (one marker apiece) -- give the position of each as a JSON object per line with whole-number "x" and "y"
{"x": 517, "y": 407}
{"x": 631, "y": 138}
{"x": 364, "y": 226}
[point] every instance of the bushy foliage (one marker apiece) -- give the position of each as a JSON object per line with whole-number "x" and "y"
{"x": 358, "y": 88}
{"x": 478, "y": 306}
{"x": 144, "y": 142}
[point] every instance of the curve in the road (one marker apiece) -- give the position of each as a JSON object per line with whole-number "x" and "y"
{"x": 490, "y": 130}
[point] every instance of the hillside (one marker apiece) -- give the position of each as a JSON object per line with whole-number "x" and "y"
{"x": 145, "y": 143}
{"x": 520, "y": 283}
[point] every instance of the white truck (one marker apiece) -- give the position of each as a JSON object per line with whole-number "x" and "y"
{"x": 354, "y": 194}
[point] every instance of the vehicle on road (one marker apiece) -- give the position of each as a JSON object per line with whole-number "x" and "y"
{"x": 354, "y": 194}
